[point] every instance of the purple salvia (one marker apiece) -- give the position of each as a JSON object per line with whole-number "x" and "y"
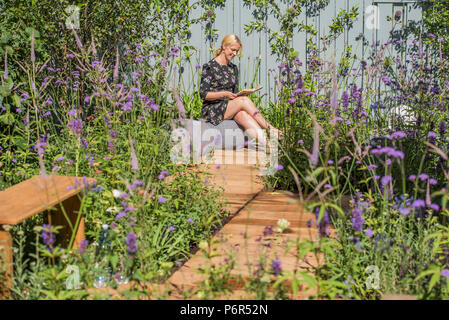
{"x": 345, "y": 99}
{"x": 134, "y": 163}
{"x": 357, "y": 220}
{"x": 33, "y": 58}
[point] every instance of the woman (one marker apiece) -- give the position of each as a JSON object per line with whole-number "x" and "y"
{"x": 218, "y": 89}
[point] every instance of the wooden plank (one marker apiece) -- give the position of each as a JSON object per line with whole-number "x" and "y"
{"x": 6, "y": 263}
{"x": 36, "y": 195}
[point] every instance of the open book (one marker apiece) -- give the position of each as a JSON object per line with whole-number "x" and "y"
{"x": 246, "y": 92}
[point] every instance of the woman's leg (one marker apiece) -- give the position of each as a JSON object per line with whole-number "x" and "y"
{"x": 247, "y": 105}
{"x": 249, "y": 124}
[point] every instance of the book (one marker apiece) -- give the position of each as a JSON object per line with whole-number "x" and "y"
{"x": 246, "y": 92}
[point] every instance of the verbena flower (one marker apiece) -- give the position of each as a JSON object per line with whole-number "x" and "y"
{"x": 423, "y": 177}
{"x": 162, "y": 199}
{"x": 419, "y": 203}
{"x": 397, "y": 135}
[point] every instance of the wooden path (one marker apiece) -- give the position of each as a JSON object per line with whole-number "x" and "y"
{"x": 250, "y": 235}
{"x": 248, "y": 239}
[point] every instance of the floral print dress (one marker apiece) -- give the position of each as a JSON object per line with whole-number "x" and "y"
{"x": 216, "y": 77}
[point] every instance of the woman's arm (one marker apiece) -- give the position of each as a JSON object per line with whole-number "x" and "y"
{"x": 220, "y": 95}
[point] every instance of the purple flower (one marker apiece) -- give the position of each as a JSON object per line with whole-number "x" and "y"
{"x": 163, "y": 174}
{"x": 418, "y": 203}
{"x": 369, "y": 233}
{"x": 412, "y": 177}
{"x": 292, "y": 100}
{"x": 83, "y": 246}
{"x": 434, "y": 207}
{"x": 357, "y": 220}
{"x": 345, "y": 99}
{"x": 171, "y": 228}
{"x": 397, "y": 135}
{"x": 120, "y": 215}
{"x": 190, "y": 220}
{"x": 48, "y": 237}
{"x": 386, "y": 79}
{"x": 372, "y": 167}
{"x": 423, "y": 177}
{"x": 268, "y": 231}
{"x": 385, "y": 180}
{"x": 300, "y": 141}
{"x": 445, "y": 273}
{"x": 136, "y": 184}
{"x": 432, "y": 134}
{"x": 162, "y": 199}
{"x": 280, "y": 167}
{"x": 433, "y": 182}
{"x": 276, "y": 265}
{"x": 405, "y": 211}
{"x": 131, "y": 243}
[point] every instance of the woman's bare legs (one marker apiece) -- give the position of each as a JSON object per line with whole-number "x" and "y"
{"x": 246, "y": 104}
{"x": 251, "y": 126}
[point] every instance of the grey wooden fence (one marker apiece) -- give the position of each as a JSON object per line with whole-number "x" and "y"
{"x": 233, "y": 17}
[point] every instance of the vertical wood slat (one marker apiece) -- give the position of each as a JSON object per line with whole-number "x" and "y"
{"x": 234, "y": 16}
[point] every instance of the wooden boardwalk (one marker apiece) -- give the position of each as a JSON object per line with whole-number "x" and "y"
{"x": 249, "y": 238}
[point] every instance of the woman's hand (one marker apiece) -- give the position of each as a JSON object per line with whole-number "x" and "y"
{"x": 229, "y": 95}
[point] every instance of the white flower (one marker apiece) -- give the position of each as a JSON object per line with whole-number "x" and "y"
{"x": 113, "y": 209}
{"x": 116, "y": 193}
{"x": 282, "y": 225}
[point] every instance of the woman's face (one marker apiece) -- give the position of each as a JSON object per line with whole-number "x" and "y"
{"x": 231, "y": 51}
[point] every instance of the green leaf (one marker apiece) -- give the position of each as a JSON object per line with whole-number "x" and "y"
{"x": 435, "y": 278}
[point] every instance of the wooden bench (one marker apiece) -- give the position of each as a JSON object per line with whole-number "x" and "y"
{"x": 35, "y": 196}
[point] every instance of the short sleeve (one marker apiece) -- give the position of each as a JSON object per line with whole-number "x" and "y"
{"x": 236, "y": 85}
{"x": 205, "y": 83}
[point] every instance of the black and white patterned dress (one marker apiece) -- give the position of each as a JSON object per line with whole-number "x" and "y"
{"x": 216, "y": 77}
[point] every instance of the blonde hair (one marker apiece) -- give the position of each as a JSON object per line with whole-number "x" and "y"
{"x": 228, "y": 40}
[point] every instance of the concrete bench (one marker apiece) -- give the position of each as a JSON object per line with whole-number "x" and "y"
{"x": 199, "y": 137}
{"x": 35, "y": 196}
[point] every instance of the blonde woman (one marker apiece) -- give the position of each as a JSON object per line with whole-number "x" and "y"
{"x": 218, "y": 89}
